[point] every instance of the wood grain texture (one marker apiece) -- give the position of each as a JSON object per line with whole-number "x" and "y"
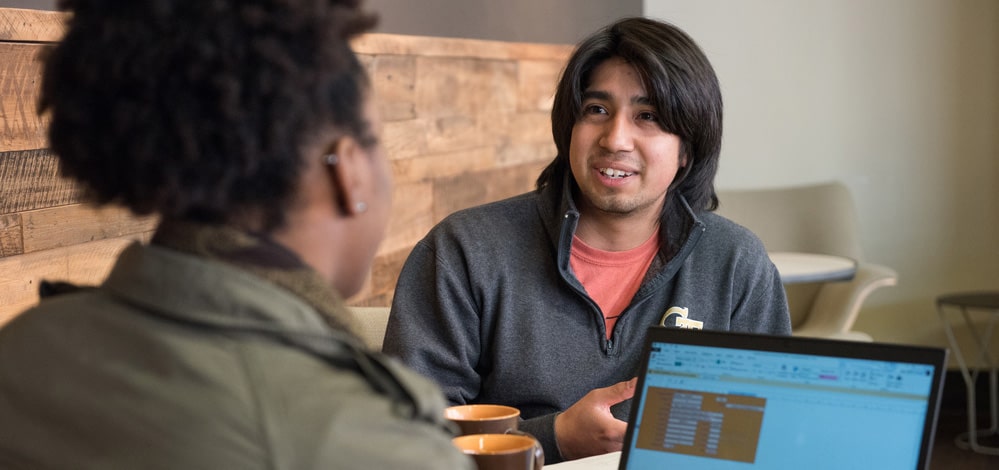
{"x": 31, "y": 25}
{"x": 11, "y": 242}
{"x": 30, "y": 180}
{"x": 522, "y": 153}
{"x": 61, "y": 226}
{"x": 465, "y": 87}
{"x": 444, "y": 165}
{"x": 405, "y": 139}
{"x": 536, "y": 80}
{"x": 465, "y": 122}
{"x": 472, "y": 189}
{"x": 528, "y": 126}
{"x": 393, "y": 79}
{"x": 425, "y": 46}
{"x": 85, "y": 264}
{"x": 380, "y": 287}
{"x": 20, "y": 77}
{"x": 521, "y": 138}
{"x": 411, "y": 217}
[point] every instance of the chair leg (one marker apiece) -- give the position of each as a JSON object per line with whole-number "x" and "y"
{"x": 969, "y": 439}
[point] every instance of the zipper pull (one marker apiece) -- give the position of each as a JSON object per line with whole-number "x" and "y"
{"x": 610, "y": 344}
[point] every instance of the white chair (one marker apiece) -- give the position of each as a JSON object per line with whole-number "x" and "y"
{"x": 819, "y": 219}
{"x": 371, "y": 322}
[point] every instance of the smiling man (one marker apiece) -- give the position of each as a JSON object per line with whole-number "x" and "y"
{"x": 542, "y": 301}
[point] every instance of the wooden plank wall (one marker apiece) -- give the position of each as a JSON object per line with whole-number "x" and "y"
{"x": 466, "y": 122}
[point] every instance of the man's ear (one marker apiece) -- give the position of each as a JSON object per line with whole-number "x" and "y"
{"x": 347, "y": 168}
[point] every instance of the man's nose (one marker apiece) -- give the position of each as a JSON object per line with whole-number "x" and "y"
{"x": 618, "y": 134}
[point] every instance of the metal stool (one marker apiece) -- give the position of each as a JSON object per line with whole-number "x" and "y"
{"x": 988, "y": 302}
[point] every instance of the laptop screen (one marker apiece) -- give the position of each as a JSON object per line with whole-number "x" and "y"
{"x": 710, "y": 400}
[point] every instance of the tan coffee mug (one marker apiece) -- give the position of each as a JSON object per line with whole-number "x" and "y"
{"x": 483, "y": 419}
{"x": 502, "y": 451}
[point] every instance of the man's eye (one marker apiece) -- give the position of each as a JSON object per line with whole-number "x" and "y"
{"x": 594, "y": 109}
{"x": 647, "y": 116}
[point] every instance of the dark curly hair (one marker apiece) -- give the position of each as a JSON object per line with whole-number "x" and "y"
{"x": 200, "y": 109}
{"x": 683, "y": 88}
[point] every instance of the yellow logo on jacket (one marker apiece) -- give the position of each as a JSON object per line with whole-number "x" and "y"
{"x": 681, "y": 320}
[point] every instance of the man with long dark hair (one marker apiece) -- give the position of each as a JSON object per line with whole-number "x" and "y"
{"x": 542, "y": 301}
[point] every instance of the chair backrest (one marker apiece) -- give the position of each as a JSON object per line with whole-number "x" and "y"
{"x": 818, "y": 218}
{"x": 371, "y": 322}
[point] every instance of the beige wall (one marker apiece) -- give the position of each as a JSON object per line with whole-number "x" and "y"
{"x": 899, "y": 99}
{"x": 548, "y": 21}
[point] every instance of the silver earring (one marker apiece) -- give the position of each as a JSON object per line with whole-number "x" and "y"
{"x": 330, "y": 159}
{"x": 360, "y": 207}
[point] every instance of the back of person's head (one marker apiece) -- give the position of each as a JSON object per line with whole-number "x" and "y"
{"x": 200, "y": 109}
{"x": 681, "y": 85}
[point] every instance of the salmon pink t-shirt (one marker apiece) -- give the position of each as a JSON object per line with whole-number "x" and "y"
{"x": 611, "y": 278}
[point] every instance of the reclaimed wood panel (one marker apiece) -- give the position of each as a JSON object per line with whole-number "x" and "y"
{"x": 393, "y": 79}
{"x": 465, "y": 87}
{"x": 465, "y": 122}
{"x": 85, "y": 264}
{"x": 31, "y": 25}
{"x": 472, "y": 189}
{"x": 30, "y": 179}
{"x": 519, "y": 153}
{"x": 437, "y": 166}
{"x": 397, "y": 44}
{"x": 11, "y": 242}
{"x": 20, "y": 70}
{"x": 56, "y": 227}
{"x": 528, "y": 126}
{"x": 405, "y": 139}
{"x": 536, "y": 80}
{"x": 411, "y": 217}
{"x": 380, "y": 287}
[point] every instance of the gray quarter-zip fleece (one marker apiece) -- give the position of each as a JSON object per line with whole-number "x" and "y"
{"x": 487, "y": 306}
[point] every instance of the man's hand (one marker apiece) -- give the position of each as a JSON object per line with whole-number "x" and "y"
{"x": 588, "y": 428}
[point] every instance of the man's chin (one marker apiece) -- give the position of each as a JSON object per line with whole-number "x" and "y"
{"x": 615, "y": 208}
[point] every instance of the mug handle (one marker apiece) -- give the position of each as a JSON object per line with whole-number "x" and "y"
{"x": 539, "y": 452}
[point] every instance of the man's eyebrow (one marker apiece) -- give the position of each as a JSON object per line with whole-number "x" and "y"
{"x": 596, "y": 95}
{"x": 641, "y": 100}
{"x": 604, "y": 96}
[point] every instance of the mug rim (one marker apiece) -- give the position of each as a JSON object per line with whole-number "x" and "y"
{"x": 511, "y": 412}
{"x": 528, "y": 440}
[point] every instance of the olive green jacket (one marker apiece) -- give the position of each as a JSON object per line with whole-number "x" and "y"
{"x": 182, "y": 362}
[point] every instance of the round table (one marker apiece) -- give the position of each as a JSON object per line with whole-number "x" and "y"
{"x": 795, "y": 267}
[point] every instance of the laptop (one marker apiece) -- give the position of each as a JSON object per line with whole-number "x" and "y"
{"x": 722, "y": 400}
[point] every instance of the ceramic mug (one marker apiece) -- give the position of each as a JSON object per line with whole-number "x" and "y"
{"x": 512, "y": 451}
{"x": 483, "y": 418}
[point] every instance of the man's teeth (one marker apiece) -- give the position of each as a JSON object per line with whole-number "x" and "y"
{"x": 610, "y": 172}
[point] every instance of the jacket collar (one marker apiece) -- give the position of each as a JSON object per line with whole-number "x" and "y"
{"x": 216, "y": 294}
{"x": 560, "y": 215}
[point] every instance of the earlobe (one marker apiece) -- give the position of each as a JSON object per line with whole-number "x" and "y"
{"x": 344, "y": 167}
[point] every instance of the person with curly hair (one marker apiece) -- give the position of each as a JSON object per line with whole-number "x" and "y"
{"x": 248, "y": 127}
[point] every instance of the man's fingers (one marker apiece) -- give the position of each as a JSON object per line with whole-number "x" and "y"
{"x": 619, "y": 392}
